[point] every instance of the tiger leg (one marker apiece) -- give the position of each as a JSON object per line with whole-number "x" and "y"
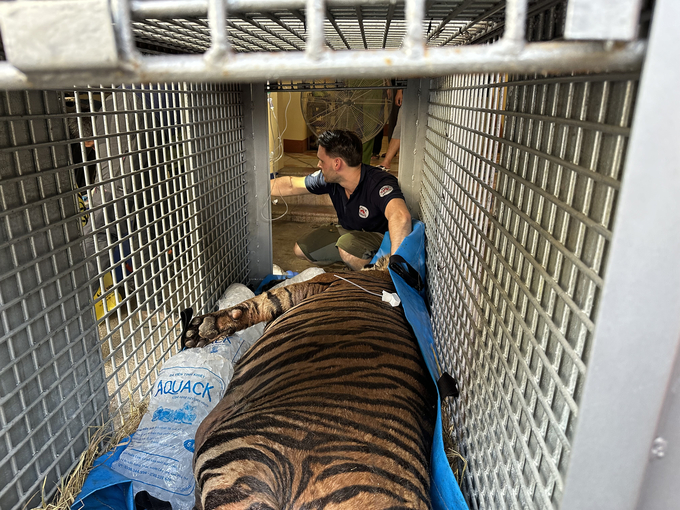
{"x": 205, "y": 329}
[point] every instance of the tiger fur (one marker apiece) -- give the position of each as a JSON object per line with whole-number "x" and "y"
{"x": 332, "y": 408}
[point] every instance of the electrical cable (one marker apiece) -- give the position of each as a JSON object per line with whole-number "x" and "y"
{"x": 269, "y": 197}
{"x": 392, "y": 298}
{"x": 276, "y": 156}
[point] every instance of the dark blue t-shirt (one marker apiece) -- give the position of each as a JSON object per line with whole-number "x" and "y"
{"x": 365, "y": 208}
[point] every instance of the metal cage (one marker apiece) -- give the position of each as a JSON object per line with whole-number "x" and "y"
{"x": 121, "y": 206}
{"x": 539, "y": 152}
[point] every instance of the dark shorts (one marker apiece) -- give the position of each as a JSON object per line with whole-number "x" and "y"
{"x": 321, "y": 245}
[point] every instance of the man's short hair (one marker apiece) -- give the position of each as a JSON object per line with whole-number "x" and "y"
{"x": 339, "y": 143}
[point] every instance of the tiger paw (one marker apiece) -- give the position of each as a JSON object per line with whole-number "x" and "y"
{"x": 205, "y": 329}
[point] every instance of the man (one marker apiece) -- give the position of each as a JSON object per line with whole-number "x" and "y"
{"x": 368, "y": 202}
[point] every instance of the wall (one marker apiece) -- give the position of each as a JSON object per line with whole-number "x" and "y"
{"x": 294, "y": 131}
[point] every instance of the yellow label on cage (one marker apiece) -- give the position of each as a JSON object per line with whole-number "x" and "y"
{"x": 110, "y": 299}
{"x": 83, "y": 206}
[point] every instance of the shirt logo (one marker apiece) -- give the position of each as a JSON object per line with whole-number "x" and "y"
{"x": 363, "y": 212}
{"x": 385, "y": 190}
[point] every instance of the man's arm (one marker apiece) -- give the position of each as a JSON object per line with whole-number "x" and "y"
{"x": 399, "y": 97}
{"x": 288, "y": 185}
{"x": 399, "y": 222}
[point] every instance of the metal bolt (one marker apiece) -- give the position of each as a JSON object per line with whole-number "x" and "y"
{"x": 659, "y": 447}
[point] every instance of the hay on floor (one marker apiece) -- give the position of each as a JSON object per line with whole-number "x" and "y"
{"x": 451, "y": 449}
{"x": 101, "y": 440}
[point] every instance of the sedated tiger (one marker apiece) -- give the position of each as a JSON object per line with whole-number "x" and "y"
{"x": 332, "y": 408}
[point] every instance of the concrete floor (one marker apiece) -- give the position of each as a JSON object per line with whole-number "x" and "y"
{"x": 284, "y": 236}
{"x": 286, "y": 233}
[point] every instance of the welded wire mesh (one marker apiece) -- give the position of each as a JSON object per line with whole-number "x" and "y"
{"x": 51, "y": 377}
{"x": 520, "y": 179}
{"x": 359, "y": 27}
{"x": 243, "y": 42}
{"x": 120, "y": 207}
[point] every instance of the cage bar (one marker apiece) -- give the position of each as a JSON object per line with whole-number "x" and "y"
{"x": 638, "y": 330}
{"x": 400, "y": 51}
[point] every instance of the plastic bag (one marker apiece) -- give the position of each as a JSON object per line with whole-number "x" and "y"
{"x": 235, "y": 294}
{"x": 233, "y": 347}
{"x": 189, "y": 385}
{"x": 159, "y": 457}
{"x": 241, "y": 341}
{"x": 305, "y": 275}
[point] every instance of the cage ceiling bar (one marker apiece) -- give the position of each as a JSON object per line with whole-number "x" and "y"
{"x": 315, "y": 37}
{"x": 65, "y": 43}
{"x": 515, "y": 16}
{"x": 452, "y": 15}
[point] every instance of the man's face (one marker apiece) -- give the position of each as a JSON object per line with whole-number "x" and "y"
{"x": 328, "y": 165}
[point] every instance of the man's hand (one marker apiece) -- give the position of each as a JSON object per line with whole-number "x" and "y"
{"x": 399, "y": 222}
{"x": 287, "y": 186}
{"x": 399, "y": 97}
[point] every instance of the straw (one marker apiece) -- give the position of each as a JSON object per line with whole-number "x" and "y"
{"x": 101, "y": 441}
{"x": 451, "y": 450}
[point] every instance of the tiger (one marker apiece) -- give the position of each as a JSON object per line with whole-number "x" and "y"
{"x": 332, "y": 408}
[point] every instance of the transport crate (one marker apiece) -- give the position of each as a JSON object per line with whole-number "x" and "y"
{"x": 540, "y": 150}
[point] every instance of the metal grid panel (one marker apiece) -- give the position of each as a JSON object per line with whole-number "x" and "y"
{"x": 164, "y": 228}
{"x": 355, "y": 27}
{"x": 52, "y": 384}
{"x": 527, "y": 169}
{"x": 282, "y": 31}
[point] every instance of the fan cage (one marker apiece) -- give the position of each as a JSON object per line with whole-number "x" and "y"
{"x": 363, "y": 107}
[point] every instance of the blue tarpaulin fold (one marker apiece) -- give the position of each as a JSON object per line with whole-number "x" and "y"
{"x": 104, "y": 489}
{"x": 444, "y": 490}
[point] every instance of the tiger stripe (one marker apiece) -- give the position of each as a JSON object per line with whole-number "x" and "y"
{"x": 332, "y": 408}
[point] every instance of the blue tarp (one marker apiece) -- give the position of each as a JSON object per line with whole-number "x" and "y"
{"x": 278, "y": 278}
{"x": 104, "y": 489}
{"x": 444, "y": 490}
